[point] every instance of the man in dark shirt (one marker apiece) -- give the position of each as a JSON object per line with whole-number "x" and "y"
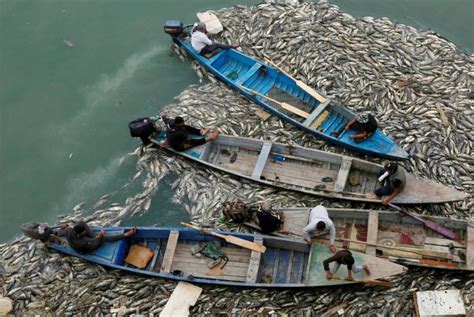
{"x": 83, "y": 240}
{"x": 343, "y": 257}
{"x": 365, "y": 125}
{"x": 393, "y": 180}
{"x": 177, "y": 134}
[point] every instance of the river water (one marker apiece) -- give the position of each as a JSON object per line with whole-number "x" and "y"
{"x": 73, "y": 74}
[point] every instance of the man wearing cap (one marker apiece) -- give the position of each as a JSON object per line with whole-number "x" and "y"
{"x": 177, "y": 134}
{"x": 320, "y": 224}
{"x": 365, "y": 125}
{"x": 83, "y": 240}
{"x": 201, "y": 42}
{"x": 393, "y": 180}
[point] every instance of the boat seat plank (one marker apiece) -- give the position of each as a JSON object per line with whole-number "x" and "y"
{"x": 470, "y": 245}
{"x": 254, "y": 265}
{"x": 372, "y": 231}
{"x": 262, "y": 160}
{"x": 444, "y": 242}
{"x": 283, "y": 266}
{"x": 297, "y": 267}
{"x": 169, "y": 253}
{"x": 319, "y": 110}
{"x": 248, "y": 74}
{"x": 343, "y": 174}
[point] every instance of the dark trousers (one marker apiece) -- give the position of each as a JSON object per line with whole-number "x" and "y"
{"x": 386, "y": 189}
{"x": 189, "y": 143}
{"x": 214, "y": 46}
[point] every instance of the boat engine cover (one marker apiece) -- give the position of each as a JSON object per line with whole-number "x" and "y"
{"x": 174, "y": 28}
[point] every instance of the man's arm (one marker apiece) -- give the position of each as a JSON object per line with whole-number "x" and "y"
{"x": 307, "y": 230}
{"x": 396, "y": 191}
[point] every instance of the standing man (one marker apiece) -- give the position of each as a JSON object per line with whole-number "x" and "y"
{"x": 393, "y": 180}
{"x": 320, "y": 224}
{"x": 343, "y": 257}
{"x": 177, "y": 134}
{"x": 201, "y": 42}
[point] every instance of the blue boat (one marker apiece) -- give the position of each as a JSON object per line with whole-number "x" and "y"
{"x": 285, "y": 97}
{"x": 169, "y": 252}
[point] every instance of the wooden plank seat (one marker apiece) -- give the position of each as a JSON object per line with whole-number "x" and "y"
{"x": 249, "y": 74}
{"x": 319, "y": 110}
{"x": 470, "y": 245}
{"x": 372, "y": 231}
{"x": 170, "y": 250}
{"x": 254, "y": 265}
{"x": 262, "y": 160}
{"x": 343, "y": 174}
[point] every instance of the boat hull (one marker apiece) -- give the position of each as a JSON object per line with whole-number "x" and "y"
{"x": 304, "y": 169}
{"x": 264, "y": 79}
{"x": 286, "y": 263}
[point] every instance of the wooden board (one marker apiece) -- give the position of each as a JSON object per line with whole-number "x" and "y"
{"x": 254, "y": 262}
{"x": 295, "y": 110}
{"x": 470, "y": 246}
{"x": 439, "y": 303}
{"x": 319, "y": 120}
{"x": 343, "y": 174}
{"x": 169, "y": 253}
{"x": 372, "y": 231}
{"x": 262, "y": 160}
{"x": 184, "y": 296}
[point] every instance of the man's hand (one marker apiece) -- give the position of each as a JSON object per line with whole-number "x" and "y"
{"x": 63, "y": 226}
{"x": 385, "y": 201}
{"x": 162, "y": 114}
{"x": 309, "y": 242}
{"x": 329, "y": 275}
{"x": 332, "y": 247}
{"x": 100, "y": 234}
{"x": 349, "y": 278}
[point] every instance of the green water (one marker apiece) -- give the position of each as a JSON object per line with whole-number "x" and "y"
{"x": 64, "y": 110}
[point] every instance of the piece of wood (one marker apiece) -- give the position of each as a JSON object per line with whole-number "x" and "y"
{"x": 184, "y": 296}
{"x": 231, "y": 239}
{"x": 169, "y": 253}
{"x": 420, "y": 252}
{"x": 284, "y": 105}
{"x": 470, "y": 246}
{"x": 139, "y": 256}
{"x": 344, "y": 170}
{"x": 442, "y": 115}
{"x": 262, "y": 160}
{"x": 372, "y": 231}
{"x": 254, "y": 263}
{"x": 439, "y": 303}
{"x": 262, "y": 114}
{"x": 301, "y": 84}
{"x": 319, "y": 120}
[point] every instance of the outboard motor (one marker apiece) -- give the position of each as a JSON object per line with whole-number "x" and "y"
{"x": 174, "y": 28}
{"x": 142, "y": 128}
{"x": 37, "y": 231}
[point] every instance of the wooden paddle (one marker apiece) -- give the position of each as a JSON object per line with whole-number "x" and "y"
{"x": 284, "y": 105}
{"x": 301, "y": 84}
{"x": 420, "y": 252}
{"x": 367, "y": 282}
{"x": 429, "y": 224}
{"x": 231, "y": 239}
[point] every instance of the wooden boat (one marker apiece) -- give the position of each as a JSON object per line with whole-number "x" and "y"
{"x": 395, "y": 235}
{"x": 308, "y": 171}
{"x": 280, "y": 94}
{"x": 285, "y": 263}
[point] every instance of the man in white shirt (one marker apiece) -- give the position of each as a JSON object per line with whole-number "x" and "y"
{"x": 320, "y": 224}
{"x": 201, "y": 42}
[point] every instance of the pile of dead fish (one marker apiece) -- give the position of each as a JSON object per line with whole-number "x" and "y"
{"x": 417, "y": 85}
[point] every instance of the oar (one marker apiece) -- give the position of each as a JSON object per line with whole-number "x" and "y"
{"x": 284, "y": 105}
{"x": 429, "y": 224}
{"x": 231, "y": 239}
{"x": 368, "y": 282}
{"x": 301, "y": 84}
{"x": 420, "y": 252}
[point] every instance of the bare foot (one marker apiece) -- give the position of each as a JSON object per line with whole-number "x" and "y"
{"x": 205, "y": 131}
{"x": 164, "y": 144}
{"x": 131, "y": 232}
{"x": 366, "y": 269}
{"x": 213, "y": 135}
